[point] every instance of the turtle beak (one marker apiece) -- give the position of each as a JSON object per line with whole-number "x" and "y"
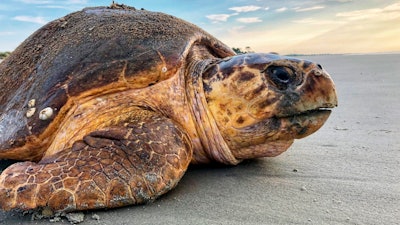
{"x": 319, "y": 89}
{"x": 317, "y": 95}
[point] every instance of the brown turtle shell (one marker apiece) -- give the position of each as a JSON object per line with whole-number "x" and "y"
{"x": 96, "y": 50}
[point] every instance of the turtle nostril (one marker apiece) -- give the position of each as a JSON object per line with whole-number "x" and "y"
{"x": 319, "y": 66}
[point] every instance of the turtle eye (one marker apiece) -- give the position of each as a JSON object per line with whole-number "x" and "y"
{"x": 280, "y": 76}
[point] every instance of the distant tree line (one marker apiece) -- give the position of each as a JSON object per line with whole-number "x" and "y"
{"x": 242, "y": 51}
{"x": 3, "y": 55}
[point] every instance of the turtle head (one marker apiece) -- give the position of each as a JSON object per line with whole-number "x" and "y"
{"x": 262, "y": 102}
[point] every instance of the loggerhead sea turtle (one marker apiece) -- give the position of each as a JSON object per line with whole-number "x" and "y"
{"x": 107, "y": 106}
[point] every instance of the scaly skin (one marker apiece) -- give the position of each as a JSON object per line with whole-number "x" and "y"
{"x": 129, "y": 163}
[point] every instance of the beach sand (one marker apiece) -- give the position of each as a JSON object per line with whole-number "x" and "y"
{"x": 346, "y": 173}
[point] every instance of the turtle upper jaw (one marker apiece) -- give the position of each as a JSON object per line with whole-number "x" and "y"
{"x": 323, "y": 109}
{"x": 309, "y": 112}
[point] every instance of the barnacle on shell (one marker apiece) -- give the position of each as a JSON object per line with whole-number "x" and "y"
{"x": 30, "y": 112}
{"x": 46, "y": 113}
{"x": 32, "y": 103}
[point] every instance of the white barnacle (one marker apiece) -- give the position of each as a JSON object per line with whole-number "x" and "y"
{"x": 164, "y": 69}
{"x": 32, "y": 103}
{"x": 30, "y": 112}
{"x": 46, "y": 113}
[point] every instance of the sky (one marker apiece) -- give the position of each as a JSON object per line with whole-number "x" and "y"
{"x": 284, "y": 26}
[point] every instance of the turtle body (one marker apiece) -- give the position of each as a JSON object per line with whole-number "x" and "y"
{"x": 109, "y": 105}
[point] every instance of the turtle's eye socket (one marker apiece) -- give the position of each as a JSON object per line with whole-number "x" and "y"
{"x": 280, "y": 76}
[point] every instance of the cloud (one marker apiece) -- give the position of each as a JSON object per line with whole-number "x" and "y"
{"x": 31, "y": 19}
{"x": 354, "y": 37}
{"x": 248, "y": 8}
{"x": 311, "y": 21}
{"x": 387, "y": 13}
{"x": 218, "y": 17}
{"x": 266, "y": 8}
{"x": 283, "y": 9}
{"x": 393, "y": 7}
{"x": 249, "y": 20}
{"x": 310, "y": 8}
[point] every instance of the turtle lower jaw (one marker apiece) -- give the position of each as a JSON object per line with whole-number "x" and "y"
{"x": 302, "y": 124}
{"x": 275, "y": 135}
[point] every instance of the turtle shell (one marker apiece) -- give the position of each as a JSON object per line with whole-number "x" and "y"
{"x": 96, "y": 50}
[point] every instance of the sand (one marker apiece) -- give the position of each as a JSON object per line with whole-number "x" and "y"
{"x": 346, "y": 173}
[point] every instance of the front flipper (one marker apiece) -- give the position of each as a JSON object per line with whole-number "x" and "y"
{"x": 131, "y": 163}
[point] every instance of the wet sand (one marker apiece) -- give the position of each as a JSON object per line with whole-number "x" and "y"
{"x": 346, "y": 173}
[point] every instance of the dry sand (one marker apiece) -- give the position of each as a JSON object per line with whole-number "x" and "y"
{"x": 346, "y": 173}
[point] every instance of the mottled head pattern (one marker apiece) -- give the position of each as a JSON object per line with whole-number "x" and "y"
{"x": 261, "y": 102}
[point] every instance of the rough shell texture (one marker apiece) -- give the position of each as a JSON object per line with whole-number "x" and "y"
{"x": 85, "y": 53}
